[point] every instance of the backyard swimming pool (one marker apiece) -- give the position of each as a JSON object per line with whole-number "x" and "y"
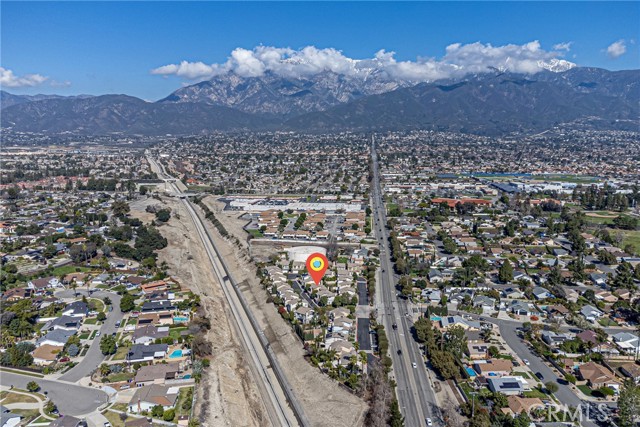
{"x": 180, "y": 319}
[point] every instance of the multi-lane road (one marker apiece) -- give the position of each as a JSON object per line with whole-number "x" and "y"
{"x": 416, "y": 397}
{"x": 282, "y": 407}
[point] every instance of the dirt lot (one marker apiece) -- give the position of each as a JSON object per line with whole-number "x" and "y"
{"x": 228, "y": 395}
{"x": 325, "y": 403}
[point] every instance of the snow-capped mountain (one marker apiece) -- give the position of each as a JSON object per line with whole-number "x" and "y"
{"x": 556, "y": 65}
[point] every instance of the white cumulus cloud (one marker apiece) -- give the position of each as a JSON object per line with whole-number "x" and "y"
{"x": 617, "y": 49}
{"x": 9, "y": 79}
{"x": 458, "y": 60}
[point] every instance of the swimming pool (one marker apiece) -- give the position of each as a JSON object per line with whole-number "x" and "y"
{"x": 180, "y": 319}
{"x": 186, "y": 377}
{"x": 175, "y": 353}
{"x": 435, "y": 318}
{"x": 471, "y": 372}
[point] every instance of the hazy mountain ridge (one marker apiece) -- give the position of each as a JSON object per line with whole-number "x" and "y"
{"x": 8, "y": 99}
{"x": 125, "y": 114}
{"x": 273, "y": 94}
{"x": 494, "y": 103}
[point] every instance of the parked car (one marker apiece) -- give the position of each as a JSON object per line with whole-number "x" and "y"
{"x": 540, "y": 376}
{"x": 526, "y": 362}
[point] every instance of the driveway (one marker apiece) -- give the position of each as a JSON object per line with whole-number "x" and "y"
{"x": 94, "y": 356}
{"x": 70, "y": 399}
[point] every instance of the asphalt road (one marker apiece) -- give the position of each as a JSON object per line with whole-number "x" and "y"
{"x": 508, "y": 330}
{"x": 364, "y": 338}
{"x": 415, "y": 394}
{"x": 70, "y": 399}
{"x": 94, "y": 356}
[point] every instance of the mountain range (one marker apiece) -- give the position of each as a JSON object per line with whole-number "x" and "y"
{"x": 491, "y": 103}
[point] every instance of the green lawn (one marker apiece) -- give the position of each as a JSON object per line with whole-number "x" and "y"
{"x": 255, "y": 233}
{"x": 121, "y": 353}
{"x": 605, "y": 321}
{"x": 632, "y": 237}
{"x": 84, "y": 336}
{"x": 68, "y": 269}
{"x": 119, "y": 406}
{"x": 175, "y": 332}
{"x": 536, "y": 393}
{"x": 121, "y": 376}
{"x": 90, "y": 321}
{"x": 183, "y": 404}
{"x": 132, "y": 321}
{"x": 93, "y": 334}
{"x": 585, "y": 389}
{"x": 21, "y": 372}
{"x": 521, "y": 374}
{"x": 99, "y": 304}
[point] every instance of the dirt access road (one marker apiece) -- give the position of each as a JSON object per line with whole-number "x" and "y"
{"x": 324, "y": 402}
{"x": 228, "y": 395}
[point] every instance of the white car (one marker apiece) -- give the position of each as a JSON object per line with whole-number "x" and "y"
{"x": 429, "y": 422}
{"x": 525, "y": 361}
{"x": 414, "y": 365}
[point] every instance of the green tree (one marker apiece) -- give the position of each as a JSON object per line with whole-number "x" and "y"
{"x": 169, "y": 414}
{"x": 628, "y": 404}
{"x": 551, "y": 387}
{"x": 127, "y": 303}
{"x": 33, "y": 386}
{"x": 505, "y": 274}
{"x": 157, "y": 411}
{"x": 108, "y": 345}
{"x": 101, "y": 316}
{"x": 455, "y": 341}
{"x": 395, "y": 417}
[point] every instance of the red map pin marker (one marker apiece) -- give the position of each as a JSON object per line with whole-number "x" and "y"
{"x": 316, "y": 266}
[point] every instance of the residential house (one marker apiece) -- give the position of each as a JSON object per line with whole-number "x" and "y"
{"x": 627, "y": 341}
{"x": 147, "y": 334}
{"x": 507, "y": 385}
{"x": 541, "y": 293}
{"x": 518, "y": 404}
{"x": 156, "y": 374}
{"x": 68, "y": 421}
{"x": 46, "y": 354}
{"x": 143, "y": 353}
{"x": 631, "y": 370}
{"x": 451, "y": 321}
{"x": 598, "y": 376}
{"x": 554, "y": 339}
{"x": 17, "y": 294}
{"x": 156, "y": 306}
{"x": 493, "y": 367}
{"x": 57, "y": 337}
{"x": 66, "y": 323}
{"x": 39, "y": 286}
{"x": 76, "y": 309}
{"x": 591, "y": 313}
{"x": 146, "y": 397}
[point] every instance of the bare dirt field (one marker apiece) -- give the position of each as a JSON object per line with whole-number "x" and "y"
{"x": 227, "y": 395}
{"x": 324, "y": 402}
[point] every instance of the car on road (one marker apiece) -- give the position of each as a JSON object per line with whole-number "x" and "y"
{"x": 399, "y": 352}
{"x": 415, "y": 365}
{"x": 525, "y": 361}
{"x": 98, "y": 334}
{"x": 429, "y": 422}
{"x": 118, "y": 324}
{"x": 395, "y": 326}
{"x": 540, "y": 376}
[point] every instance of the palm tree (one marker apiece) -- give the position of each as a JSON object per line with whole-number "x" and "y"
{"x": 74, "y": 286}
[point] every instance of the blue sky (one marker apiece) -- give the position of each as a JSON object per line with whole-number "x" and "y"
{"x": 111, "y": 47}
